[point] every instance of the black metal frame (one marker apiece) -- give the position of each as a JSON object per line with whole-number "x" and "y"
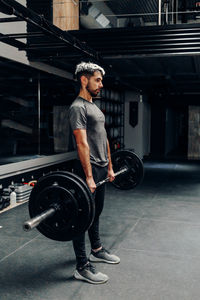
{"x": 48, "y": 29}
{"x": 115, "y": 46}
{"x": 116, "y": 43}
{"x": 8, "y": 20}
{"x": 182, "y": 39}
{"x": 53, "y": 44}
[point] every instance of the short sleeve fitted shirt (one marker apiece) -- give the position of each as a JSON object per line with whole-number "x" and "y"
{"x": 86, "y": 115}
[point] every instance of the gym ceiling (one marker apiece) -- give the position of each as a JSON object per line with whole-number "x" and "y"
{"x": 140, "y": 55}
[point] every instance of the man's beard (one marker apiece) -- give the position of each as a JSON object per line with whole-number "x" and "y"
{"x": 91, "y": 92}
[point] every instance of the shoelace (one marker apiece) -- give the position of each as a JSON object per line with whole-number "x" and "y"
{"x": 90, "y": 268}
{"x": 104, "y": 250}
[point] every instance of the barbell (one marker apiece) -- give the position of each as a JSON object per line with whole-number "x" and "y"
{"x": 61, "y": 205}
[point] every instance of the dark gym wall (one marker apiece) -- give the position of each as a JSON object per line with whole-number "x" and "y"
{"x": 158, "y": 114}
{"x": 169, "y": 127}
{"x": 171, "y": 140}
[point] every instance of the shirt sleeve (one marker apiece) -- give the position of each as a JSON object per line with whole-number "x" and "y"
{"x": 77, "y": 118}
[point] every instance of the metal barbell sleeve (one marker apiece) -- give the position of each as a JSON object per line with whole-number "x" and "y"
{"x": 34, "y": 222}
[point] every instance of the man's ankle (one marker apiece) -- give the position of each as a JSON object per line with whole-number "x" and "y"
{"x": 82, "y": 265}
{"x": 97, "y": 250}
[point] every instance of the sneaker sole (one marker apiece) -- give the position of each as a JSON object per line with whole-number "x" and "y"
{"x": 95, "y": 259}
{"x": 80, "y": 277}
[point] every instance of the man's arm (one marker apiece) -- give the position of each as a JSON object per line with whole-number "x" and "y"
{"x": 110, "y": 167}
{"x": 84, "y": 155}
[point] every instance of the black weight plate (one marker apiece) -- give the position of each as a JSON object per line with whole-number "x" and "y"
{"x": 90, "y": 196}
{"x": 92, "y": 202}
{"x": 135, "y": 173}
{"x": 83, "y": 204}
{"x": 84, "y": 185}
{"x": 65, "y": 216}
{"x": 61, "y": 185}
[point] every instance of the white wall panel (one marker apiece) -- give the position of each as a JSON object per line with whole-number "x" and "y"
{"x": 138, "y": 137}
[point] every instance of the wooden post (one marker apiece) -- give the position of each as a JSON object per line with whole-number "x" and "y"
{"x": 66, "y": 14}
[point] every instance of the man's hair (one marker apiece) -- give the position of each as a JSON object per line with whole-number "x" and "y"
{"x": 87, "y": 68}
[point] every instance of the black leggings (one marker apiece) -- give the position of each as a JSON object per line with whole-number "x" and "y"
{"x": 99, "y": 173}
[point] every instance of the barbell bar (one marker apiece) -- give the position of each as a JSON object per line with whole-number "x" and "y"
{"x": 61, "y": 205}
{"x": 124, "y": 170}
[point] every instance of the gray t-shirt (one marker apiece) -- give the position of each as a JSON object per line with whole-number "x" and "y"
{"x": 86, "y": 115}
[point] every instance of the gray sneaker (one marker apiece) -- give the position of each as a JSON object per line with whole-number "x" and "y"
{"x": 104, "y": 255}
{"x": 89, "y": 274}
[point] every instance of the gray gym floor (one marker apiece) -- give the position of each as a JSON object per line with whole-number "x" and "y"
{"x": 155, "y": 229}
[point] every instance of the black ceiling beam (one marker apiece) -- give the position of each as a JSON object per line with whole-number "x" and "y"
{"x": 11, "y": 41}
{"x": 60, "y": 57}
{"x": 49, "y": 45}
{"x": 17, "y": 67}
{"x": 9, "y": 20}
{"x": 12, "y": 7}
{"x": 23, "y": 35}
{"x": 143, "y": 41}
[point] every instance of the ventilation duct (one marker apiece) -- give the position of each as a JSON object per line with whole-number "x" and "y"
{"x": 94, "y": 15}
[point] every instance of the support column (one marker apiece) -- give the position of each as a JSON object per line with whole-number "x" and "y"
{"x": 159, "y": 12}
{"x": 66, "y": 14}
{"x": 176, "y": 9}
{"x": 184, "y": 17}
{"x": 166, "y": 10}
{"x": 39, "y": 114}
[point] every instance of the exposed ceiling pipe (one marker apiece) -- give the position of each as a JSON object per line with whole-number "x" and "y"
{"x": 96, "y": 16}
